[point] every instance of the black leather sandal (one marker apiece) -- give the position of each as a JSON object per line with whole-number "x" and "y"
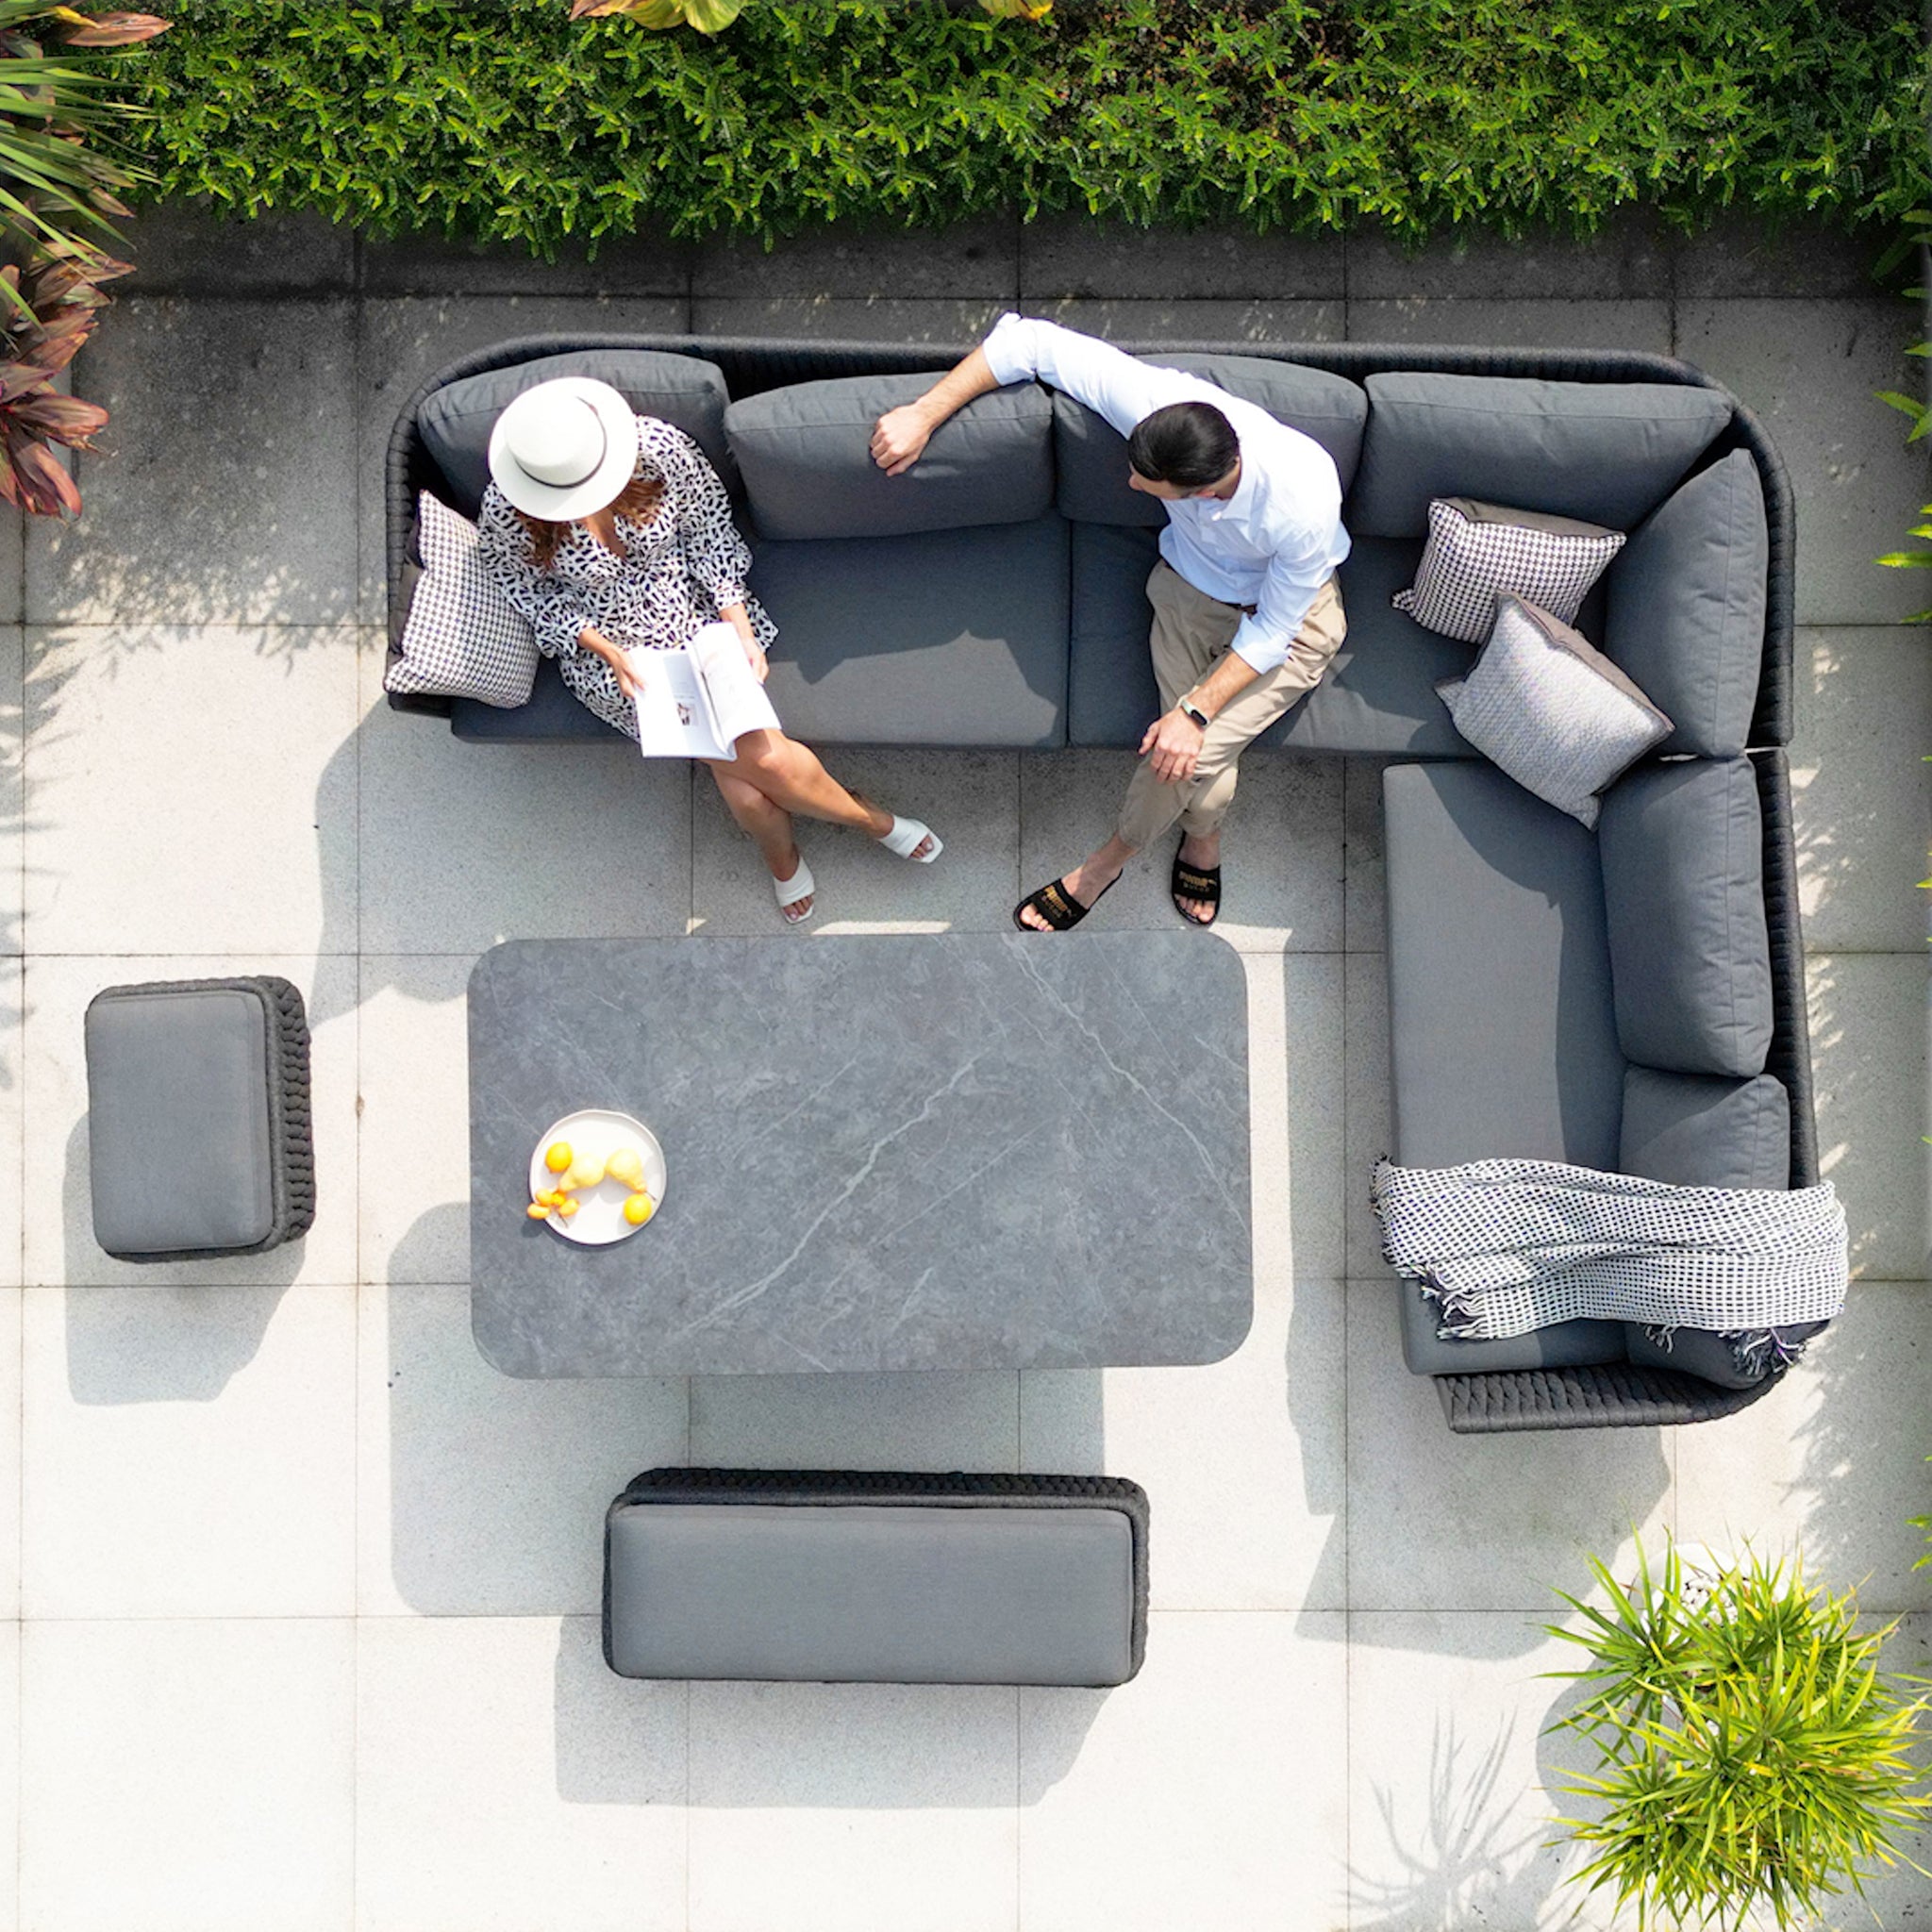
{"x": 1189, "y": 882}
{"x": 1058, "y": 906}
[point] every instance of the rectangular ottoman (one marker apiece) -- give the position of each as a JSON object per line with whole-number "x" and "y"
{"x": 198, "y": 1124}
{"x": 876, "y": 1577}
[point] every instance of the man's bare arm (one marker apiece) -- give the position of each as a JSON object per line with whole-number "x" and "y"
{"x": 900, "y": 435}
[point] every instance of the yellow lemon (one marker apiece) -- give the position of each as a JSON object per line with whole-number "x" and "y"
{"x": 638, "y": 1208}
{"x": 558, "y": 1157}
{"x": 627, "y": 1165}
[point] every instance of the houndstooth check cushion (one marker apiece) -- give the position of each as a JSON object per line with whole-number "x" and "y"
{"x": 463, "y": 638}
{"x": 1557, "y": 715}
{"x": 1479, "y": 551}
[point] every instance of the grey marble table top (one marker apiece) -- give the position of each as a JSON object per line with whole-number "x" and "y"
{"x": 947, "y": 1151}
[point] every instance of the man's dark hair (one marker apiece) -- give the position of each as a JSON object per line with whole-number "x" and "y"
{"x": 1188, "y": 444}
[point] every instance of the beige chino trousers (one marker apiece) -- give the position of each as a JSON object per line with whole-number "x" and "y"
{"x": 1192, "y": 633}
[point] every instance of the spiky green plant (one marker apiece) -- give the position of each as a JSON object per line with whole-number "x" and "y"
{"x": 1752, "y": 1763}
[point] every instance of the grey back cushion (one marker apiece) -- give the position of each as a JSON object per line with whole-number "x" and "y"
{"x": 1683, "y": 866}
{"x": 863, "y": 1593}
{"x": 1607, "y": 451}
{"x": 805, "y": 454}
{"x": 1701, "y": 1131}
{"x": 1091, "y": 456}
{"x": 1686, "y": 608}
{"x": 455, "y": 421}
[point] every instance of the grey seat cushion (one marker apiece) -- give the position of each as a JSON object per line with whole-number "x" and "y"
{"x": 1710, "y": 1357}
{"x": 1091, "y": 456}
{"x": 180, "y": 1133}
{"x": 1503, "y": 1039}
{"x": 1683, "y": 868}
{"x": 1699, "y": 1130}
{"x": 1686, "y": 608}
{"x": 952, "y": 638}
{"x": 870, "y": 1592}
{"x": 1608, "y": 453}
{"x": 1563, "y": 1345}
{"x": 1111, "y": 697}
{"x": 552, "y": 716}
{"x": 805, "y": 457}
{"x": 455, "y": 422}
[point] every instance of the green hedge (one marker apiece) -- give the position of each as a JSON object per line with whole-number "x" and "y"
{"x": 506, "y": 119}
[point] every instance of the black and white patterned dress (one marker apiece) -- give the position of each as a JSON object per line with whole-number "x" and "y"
{"x": 679, "y": 570}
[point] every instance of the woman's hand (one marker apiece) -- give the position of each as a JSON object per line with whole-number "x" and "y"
{"x": 630, "y": 679}
{"x": 740, "y": 619}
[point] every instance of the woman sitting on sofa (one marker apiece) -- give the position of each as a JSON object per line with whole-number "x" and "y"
{"x": 611, "y": 533}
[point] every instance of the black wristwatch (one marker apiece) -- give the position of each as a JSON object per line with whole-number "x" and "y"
{"x": 1189, "y": 710}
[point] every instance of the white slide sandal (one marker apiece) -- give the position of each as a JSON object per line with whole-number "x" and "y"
{"x": 902, "y": 842}
{"x": 800, "y": 886}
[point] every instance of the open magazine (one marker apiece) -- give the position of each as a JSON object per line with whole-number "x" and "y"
{"x": 697, "y": 700}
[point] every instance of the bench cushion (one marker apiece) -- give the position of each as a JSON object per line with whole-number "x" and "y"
{"x": 1686, "y": 608}
{"x": 1091, "y": 456}
{"x": 1608, "y": 453}
{"x": 812, "y": 1583}
{"x": 1697, "y": 1130}
{"x": 953, "y": 638}
{"x": 1683, "y": 869}
{"x": 198, "y": 1119}
{"x": 805, "y": 454}
{"x": 455, "y": 422}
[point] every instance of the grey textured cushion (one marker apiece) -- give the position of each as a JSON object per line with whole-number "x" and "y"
{"x": 1698, "y": 1352}
{"x": 1683, "y": 865}
{"x": 1478, "y": 550}
{"x": 803, "y": 454}
{"x": 1503, "y": 1039}
{"x": 1686, "y": 608}
{"x": 1551, "y": 710}
{"x": 953, "y": 638}
{"x": 179, "y": 1134}
{"x": 867, "y": 1592}
{"x": 1091, "y": 456}
{"x": 1111, "y": 697}
{"x": 1606, "y": 452}
{"x": 1699, "y": 1130}
{"x": 455, "y": 421}
{"x": 552, "y": 716}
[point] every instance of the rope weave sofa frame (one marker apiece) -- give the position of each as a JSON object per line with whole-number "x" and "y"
{"x": 1614, "y": 1395}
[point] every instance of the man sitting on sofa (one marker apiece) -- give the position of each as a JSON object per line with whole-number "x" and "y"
{"x": 1247, "y": 611}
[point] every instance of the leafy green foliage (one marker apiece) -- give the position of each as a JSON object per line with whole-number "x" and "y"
{"x": 1750, "y": 1760}
{"x": 510, "y": 119}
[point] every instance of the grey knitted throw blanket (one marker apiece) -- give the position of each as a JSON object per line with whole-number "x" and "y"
{"x": 1504, "y": 1246}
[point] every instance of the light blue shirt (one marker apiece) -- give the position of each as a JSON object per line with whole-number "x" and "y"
{"x": 1273, "y": 544}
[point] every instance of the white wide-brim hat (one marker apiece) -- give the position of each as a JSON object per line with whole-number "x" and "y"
{"x": 564, "y": 449}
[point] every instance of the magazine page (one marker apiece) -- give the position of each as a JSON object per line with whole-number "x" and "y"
{"x": 739, "y": 703}
{"x": 674, "y": 717}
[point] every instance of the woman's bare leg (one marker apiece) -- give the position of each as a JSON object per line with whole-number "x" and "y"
{"x": 791, "y": 777}
{"x": 768, "y": 825}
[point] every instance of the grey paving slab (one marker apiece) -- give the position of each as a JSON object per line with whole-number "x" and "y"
{"x": 1191, "y": 320}
{"x": 1861, "y": 793}
{"x": 1438, "y": 1522}
{"x": 1072, "y": 255}
{"x": 1809, "y": 370}
{"x": 1868, "y": 1022}
{"x": 432, "y": 263}
{"x": 1628, "y": 257}
{"x": 1740, "y": 254}
{"x": 952, "y": 322}
{"x": 918, "y": 1080}
{"x": 979, "y": 257}
{"x": 405, "y": 340}
{"x": 852, "y": 1807}
{"x": 195, "y": 248}
{"x": 1557, "y": 323}
{"x": 1820, "y": 1463}
{"x": 226, "y": 491}
{"x": 1369, "y": 1120}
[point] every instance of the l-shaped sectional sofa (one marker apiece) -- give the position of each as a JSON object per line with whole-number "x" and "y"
{"x": 1629, "y": 998}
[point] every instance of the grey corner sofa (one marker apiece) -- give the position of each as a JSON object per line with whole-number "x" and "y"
{"x": 1629, "y": 999}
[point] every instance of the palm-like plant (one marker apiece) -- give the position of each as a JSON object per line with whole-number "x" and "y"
{"x": 62, "y": 298}
{"x": 1751, "y": 1760}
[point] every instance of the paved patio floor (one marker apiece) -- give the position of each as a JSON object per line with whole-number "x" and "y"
{"x": 301, "y": 1596}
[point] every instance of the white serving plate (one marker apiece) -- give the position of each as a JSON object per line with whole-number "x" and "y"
{"x": 598, "y": 1131}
